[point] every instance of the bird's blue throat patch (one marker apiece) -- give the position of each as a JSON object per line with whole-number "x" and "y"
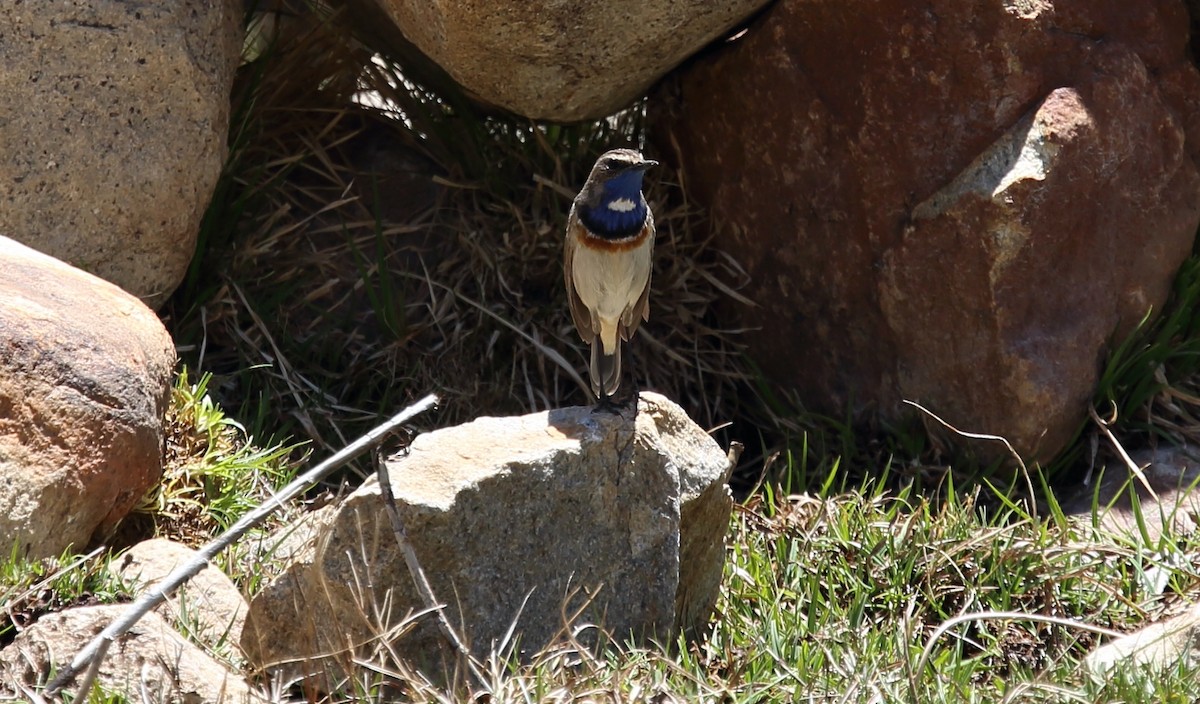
{"x": 621, "y": 211}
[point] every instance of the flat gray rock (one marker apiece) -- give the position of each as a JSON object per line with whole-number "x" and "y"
{"x": 515, "y": 521}
{"x": 151, "y": 659}
{"x": 209, "y": 606}
{"x": 1153, "y": 648}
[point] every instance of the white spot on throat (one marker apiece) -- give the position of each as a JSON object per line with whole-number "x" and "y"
{"x": 621, "y": 205}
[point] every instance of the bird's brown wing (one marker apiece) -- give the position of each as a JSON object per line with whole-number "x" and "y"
{"x": 640, "y": 310}
{"x": 579, "y": 312}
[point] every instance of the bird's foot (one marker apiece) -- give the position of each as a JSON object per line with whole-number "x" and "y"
{"x": 607, "y": 405}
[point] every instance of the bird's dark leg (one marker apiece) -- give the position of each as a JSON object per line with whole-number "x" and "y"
{"x": 604, "y": 401}
{"x": 632, "y": 365}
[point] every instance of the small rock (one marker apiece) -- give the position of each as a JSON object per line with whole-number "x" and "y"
{"x": 114, "y": 128}
{"x": 510, "y": 519}
{"x": 208, "y": 604}
{"x": 1155, "y": 647}
{"x": 85, "y": 376}
{"x": 151, "y": 656}
{"x": 1171, "y": 473}
{"x": 561, "y": 61}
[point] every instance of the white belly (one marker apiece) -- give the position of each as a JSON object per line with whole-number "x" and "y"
{"x": 609, "y": 283}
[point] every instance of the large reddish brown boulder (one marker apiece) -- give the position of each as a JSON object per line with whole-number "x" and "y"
{"x": 954, "y": 203}
{"x": 85, "y": 374}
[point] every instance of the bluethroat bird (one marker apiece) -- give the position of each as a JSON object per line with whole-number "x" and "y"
{"x": 606, "y": 263}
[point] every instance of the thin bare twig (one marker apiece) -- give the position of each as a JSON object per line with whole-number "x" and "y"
{"x": 85, "y": 683}
{"x": 30, "y": 694}
{"x": 420, "y": 581}
{"x": 1133, "y": 468}
{"x": 552, "y": 185}
{"x": 985, "y": 436}
{"x": 94, "y": 651}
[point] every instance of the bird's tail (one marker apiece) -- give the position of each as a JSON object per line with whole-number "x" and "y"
{"x": 606, "y": 369}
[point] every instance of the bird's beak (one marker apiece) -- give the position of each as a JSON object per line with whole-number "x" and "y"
{"x": 647, "y": 164}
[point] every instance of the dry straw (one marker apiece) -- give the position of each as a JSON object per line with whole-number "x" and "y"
{"x": 376, "y": 252}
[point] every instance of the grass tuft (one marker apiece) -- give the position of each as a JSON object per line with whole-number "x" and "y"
{"x": 31, "y": 588}
{"x": 212, "y": 472}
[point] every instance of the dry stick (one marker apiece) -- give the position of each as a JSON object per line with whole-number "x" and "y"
{"x": 984, "y": 436}
{"x": 1135, "y": 470}
{"x": 418, "y": 575}
{"x": 94, "y": 651}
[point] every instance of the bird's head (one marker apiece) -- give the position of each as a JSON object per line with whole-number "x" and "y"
{"x": 611, "y": 202}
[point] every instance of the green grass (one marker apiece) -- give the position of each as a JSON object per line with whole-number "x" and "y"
{"x": 214, "y": 473}
{"x": 840, "y": 595}
{"x": 213, "y": 466}
{"x": 30, "y": 588}
{"x": 837, "y": 597}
